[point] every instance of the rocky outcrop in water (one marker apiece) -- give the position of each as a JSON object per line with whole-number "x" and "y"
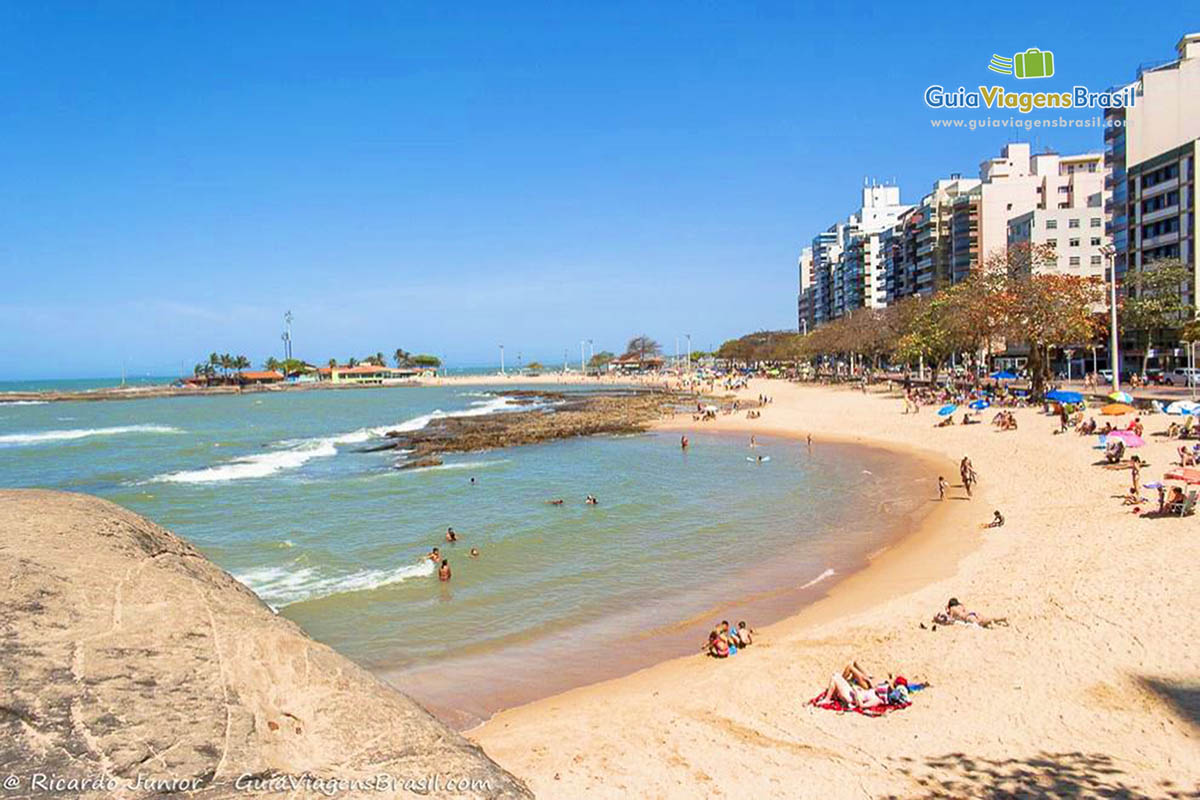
{"x": 130, "y": 664}
{"x": 554, "y": 416}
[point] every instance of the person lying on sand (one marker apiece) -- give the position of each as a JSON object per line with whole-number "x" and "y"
{"x": 948, "y": 421}
{"x": 956, "y": 612}
{"x": 855, "y": 689}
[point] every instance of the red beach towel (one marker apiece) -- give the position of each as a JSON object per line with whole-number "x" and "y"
{"x": 831, "y": 704}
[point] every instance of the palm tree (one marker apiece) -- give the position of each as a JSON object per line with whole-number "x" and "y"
{"x": 352, "y": 362}
{"x": 272, "y": 364}
{"x": 402, "y": 356}
{"x": 332, "y": 363}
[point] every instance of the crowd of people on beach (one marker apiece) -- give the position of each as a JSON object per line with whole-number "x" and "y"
{"x": 725, "y": 640}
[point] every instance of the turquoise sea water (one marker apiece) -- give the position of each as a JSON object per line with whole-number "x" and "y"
{"x": 273, "y": 487}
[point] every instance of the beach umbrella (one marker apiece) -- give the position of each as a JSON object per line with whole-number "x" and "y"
{"x": 1182, "y": 407}
{"x": 1130, "y": 438}
{"x": 1121, "y": 397}
{"x": 980, "y": 405}
{"x": 1060, "y": 396}
{"x": 1003, "y": 375}
{"x": 1116, "y": 409}
{"x": 1185, "y": 474}
{"x": 946, "y": 411}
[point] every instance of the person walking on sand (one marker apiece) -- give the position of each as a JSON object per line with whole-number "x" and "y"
{"x": 444, "y": 571}
{"x": 941, "y": 488}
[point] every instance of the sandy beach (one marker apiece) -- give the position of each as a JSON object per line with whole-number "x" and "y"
{"x": 1093, "y": 689}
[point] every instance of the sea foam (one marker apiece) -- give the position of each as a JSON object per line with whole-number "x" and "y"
{"x": 281, "y": 586}
{"x": 43, "y": 437}
{"x": 295, "y": 453}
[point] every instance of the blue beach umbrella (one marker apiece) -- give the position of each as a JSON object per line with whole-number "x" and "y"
{"x": 980, "y": 405}
{"x": 946, "y": 411}
{"x": 1003, "y": 375}
{"x": 1060, "y": 396}
{"x": 1182, "y": 407}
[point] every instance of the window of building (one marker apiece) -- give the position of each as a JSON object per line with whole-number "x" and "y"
{"x": 1074, "y": 261}
{"x": 1073, "y": 222}
{"x": 1097, "y": 222}
{"x": 1073, "y": 243}
{"x": 1095, "y": 260}
{"x": 1051, "y": 223}
{"x": 1064, "y": 189}
{"x": 1095, "y": 241}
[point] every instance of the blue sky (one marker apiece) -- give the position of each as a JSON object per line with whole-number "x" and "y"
{"x": 447, "y": 177}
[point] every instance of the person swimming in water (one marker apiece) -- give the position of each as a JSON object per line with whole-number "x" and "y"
{"x": 444, "y": 571}
{"x": 434, "y": 555}
{"x": 683, "y": 443}
{"x": 558, "y": 501}
{"x": 591, "y": 501}
{"x": 451, "y": 536}
{"x": 474, "y": 552}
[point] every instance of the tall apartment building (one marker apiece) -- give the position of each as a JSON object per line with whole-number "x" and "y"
{"x": 1151, "y": 154}
{"x": 846, "y": 260}
{"x": 1072, "y": 220}
{"x": 804, "y": 301}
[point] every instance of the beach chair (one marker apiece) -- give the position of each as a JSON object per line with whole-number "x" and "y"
{"x": 1189, "y": 504}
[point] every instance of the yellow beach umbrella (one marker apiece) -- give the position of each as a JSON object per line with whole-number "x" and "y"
{"x": 1116, "y": 409}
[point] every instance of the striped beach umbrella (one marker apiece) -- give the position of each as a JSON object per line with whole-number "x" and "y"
{"x": 1121, "y": 397}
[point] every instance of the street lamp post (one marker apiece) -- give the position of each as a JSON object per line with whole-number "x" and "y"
{"x": 501, "y": 359}
{"x": 582, "y": 342}
{"x": 1109, "y": 251}
{"x": 689, "y": 353}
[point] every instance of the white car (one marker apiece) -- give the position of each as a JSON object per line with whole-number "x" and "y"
{"x": 1188, "y": 376}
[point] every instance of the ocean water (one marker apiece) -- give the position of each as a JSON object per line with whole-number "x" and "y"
{"x": 275, "y": 488}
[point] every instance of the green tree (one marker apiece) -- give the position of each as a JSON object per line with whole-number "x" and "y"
{"x": 402, "y": 357}
{"x": 1154, "y": 307}
{"x": 332, "y": 363}
{"x": 600, "y": 360}
{"x": 426, "y": 360}
{"x": 535, "y": 366}
{"x": 272, "y": 364}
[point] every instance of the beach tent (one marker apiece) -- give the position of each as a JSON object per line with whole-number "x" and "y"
{"x": 1121, "y": 397}
{"x": 1183, "y": 407}
{"x": 946, "y": 411}
{"x": 1060, "y": 396}
{"x": 1130, "y": 438}
{"x": 980, "y": 405}
{"x": 1116, "y": 409}
{"x": 1003, "y": 375}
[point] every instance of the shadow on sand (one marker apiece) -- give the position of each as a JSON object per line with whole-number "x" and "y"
{"x": 1045, "y": 775}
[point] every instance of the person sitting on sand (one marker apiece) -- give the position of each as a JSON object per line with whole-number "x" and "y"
{"x": 997, "y": 520}
{"x": 591, "y": 501}
{"x": 444, "y": 572}
{"x": 948, "y": 421}
{"x": 434, "y": 555}
{"x": 1087, "y": 428}
{"x": 1114, "y": 451}
{"x": 451, "y": 536}
{"x": 956, "y": 612}
{"x": 716, "y": 646}
{"x": 474, "y": 552}
{"x": 745, "y": 634}
{"x": 1176, "y": 500}
{"x": 1186, "y": 458}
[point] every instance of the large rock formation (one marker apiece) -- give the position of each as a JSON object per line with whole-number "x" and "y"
{"x": 125, "y": 655}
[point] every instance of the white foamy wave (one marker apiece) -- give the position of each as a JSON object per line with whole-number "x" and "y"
{"x": 294, "y": 453}
{"x": 829, "y": 573}
{"x": 40, "y": 437}
{"x": 280, "y": 586}
{"x": 23, "y": 402}
{"x": 459, "y": 465}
